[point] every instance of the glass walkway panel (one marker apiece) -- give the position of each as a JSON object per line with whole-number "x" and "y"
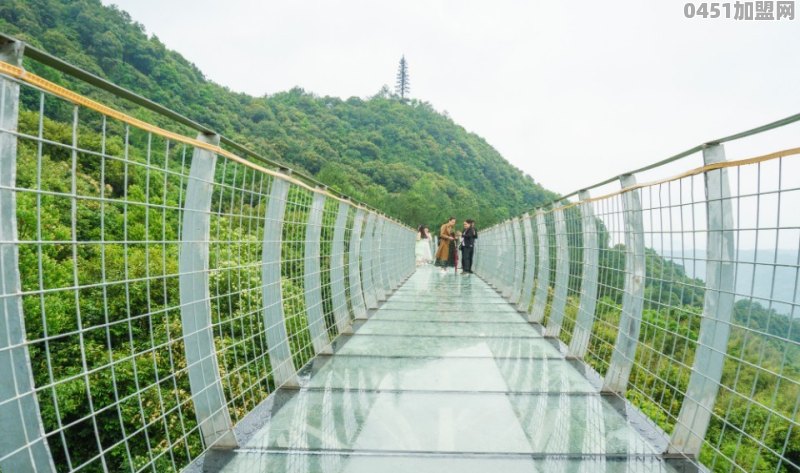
{"x": 445, "y": 376}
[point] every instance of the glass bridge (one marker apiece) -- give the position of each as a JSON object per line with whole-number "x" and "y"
{"x": 446, "y": 376}
{"x": 172, "y": 301}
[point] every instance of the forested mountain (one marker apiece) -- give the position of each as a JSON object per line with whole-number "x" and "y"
{"x": 402, "y": 157}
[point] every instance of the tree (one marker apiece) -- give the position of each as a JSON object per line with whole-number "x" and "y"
{"x": 403, "y": 86}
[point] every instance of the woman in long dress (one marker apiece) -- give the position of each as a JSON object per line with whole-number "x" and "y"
{"x": 423, "y": 248}
{"x": 446, "y": 244}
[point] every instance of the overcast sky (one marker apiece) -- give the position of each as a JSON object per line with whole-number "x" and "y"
{"x": 571, "y": 92}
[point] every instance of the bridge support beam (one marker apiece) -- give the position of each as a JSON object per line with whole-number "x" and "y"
{"x": 712, "y": 344}
{"x": 530, "y": 265}
{"x": 591, "y": 255}
{"x": 543, "y": 283}
{"x": 23, "y": 446}
{"x": 198, "y": 339}
{"x": 312, "y": 280}
{"x": 338, "y": 295}
{"x": 280, "y": 354}
{"x": 619, "y": 370}
{"x": 562, "y": 276}
{"x": 354, "y": 268}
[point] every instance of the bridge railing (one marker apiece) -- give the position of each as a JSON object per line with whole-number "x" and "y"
{"x": 157, "y": 281}
{"x": 681, "y": 292}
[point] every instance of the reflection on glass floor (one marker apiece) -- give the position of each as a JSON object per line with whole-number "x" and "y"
{"x": 444, "y": 377}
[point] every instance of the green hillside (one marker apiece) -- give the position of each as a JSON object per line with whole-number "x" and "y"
{"x": 401, "y": 157}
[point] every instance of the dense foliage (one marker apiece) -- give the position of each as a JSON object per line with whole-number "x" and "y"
{"x": 402, "y": 157}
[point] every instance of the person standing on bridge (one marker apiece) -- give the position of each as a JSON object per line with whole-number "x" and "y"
{"x": 468, "y": 246}
{"x": 446, "y": 244}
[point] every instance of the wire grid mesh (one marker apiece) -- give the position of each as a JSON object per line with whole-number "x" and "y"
{"x": 298, "y": 205}
{"x": 100, "y": 208}
{"x": 573, "y": 223}
{"x": 610, "y": 282}
{"x": 99, "y": 230}
{"x": 329, "y": 214}
{"x": 536, "y": 254}
{"x": 674, "y": 218}
{"x": 238, "y": 208}
{"x": 755, "y": 423}
{"x": 752, "y": 401}
{"x": 545, "y": 298}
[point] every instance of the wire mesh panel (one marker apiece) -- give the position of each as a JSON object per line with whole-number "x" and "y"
{"x": 328, "y": 229}
{"x": 696, "y": 280}
{"x": 338, "y": 264}
{"x": 573, "y": 232}
{"x": 152, "y": 284}
{"x": 354, "y": 264}
{"x": 100, "y": 205}
{"x": 559, "y": 298}
{"x": 754, "y": 424}
{"x": 588, "y": 246}
{"x": 530, "y": 264}
{"x": 541, "y": 297}
{"x": 610, "y": 285}
{"x": 674, "y": 216}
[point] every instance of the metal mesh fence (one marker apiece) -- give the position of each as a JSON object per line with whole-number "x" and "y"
{"x": 682, "y": 295}
{"x": 154, "y": 287}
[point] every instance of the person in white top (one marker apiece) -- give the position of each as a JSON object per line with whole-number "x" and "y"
{"x": 423, "y": 247}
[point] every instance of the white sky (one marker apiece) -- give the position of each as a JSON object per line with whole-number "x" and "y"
{"x": 571, "y": 92}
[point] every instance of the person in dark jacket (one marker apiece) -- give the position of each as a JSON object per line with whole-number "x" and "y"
{"x": 468, "y": 245}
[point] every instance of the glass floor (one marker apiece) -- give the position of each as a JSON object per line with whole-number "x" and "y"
{"x": 444, "y": 377}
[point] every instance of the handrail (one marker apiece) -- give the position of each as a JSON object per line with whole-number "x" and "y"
{"x": 696, "y": 149}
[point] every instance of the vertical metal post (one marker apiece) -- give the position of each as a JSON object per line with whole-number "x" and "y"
{"x": 712, "y": 344}
{"x": 201, "y": 357}
{"x": 562, "y": 276}
{"x": 530, "y": 265}
{"x": 508, "y": 268}
{"x": 630, "y": 320}
{"x": 354, "y": 270}
{"x": 370, "y": 296}
{"x": 519, "y": 261}
{"x": 312, "y": 280}
{"x": 385, "y": 254}
{"x": 338, "y": 297}
{"x": 378, "y": 277}
{"x": 23, "y": 446}
{"x": 591, "y": 255}
{"x": 280, "y": 355}
{"x": 540, "y": 299}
